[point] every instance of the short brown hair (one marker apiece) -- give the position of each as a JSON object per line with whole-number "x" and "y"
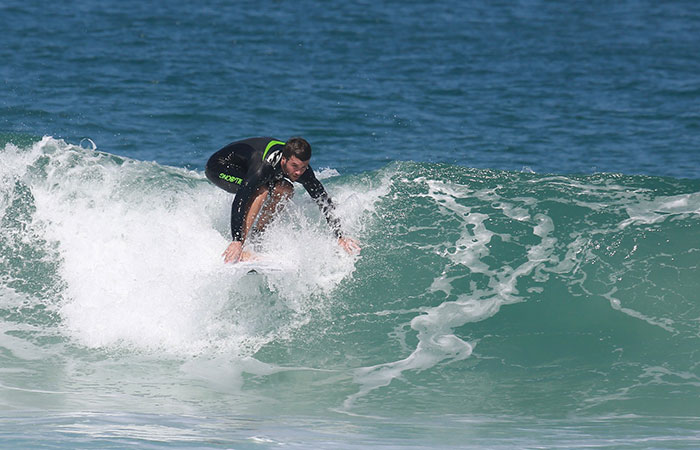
{"x": 298, "y": 147}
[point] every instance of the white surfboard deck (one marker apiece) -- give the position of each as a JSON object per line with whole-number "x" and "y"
{"x": 259, "y": 266}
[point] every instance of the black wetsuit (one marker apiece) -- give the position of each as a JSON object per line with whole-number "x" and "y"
{"x": 243, "y": 166}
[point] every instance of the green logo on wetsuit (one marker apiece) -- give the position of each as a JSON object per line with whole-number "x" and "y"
{"x": 269, "y": 146}
{"x": 230, "y": 178}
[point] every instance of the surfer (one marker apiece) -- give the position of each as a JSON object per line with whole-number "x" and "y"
{"x": 260, "y": 171}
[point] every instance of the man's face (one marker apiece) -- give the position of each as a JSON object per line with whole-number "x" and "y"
{"x": 293, "y": 167}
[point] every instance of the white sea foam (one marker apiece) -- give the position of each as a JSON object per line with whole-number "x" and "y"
{"x": 662, "y": 208}
{"x": 140, "y": 254}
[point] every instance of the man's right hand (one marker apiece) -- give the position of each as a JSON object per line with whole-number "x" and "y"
{"x": 233, "y": 252}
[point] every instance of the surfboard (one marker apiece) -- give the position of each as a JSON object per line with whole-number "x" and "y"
{"x": 259, "y": 266}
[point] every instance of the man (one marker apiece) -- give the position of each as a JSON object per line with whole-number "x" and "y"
{"x": 260, "y": 169}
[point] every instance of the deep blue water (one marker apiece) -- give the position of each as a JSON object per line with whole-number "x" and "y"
{"x": 557, "y": 87}
{"x": 524, "y": 178}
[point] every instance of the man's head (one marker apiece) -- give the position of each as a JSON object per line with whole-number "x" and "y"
{"x": 298, "y": 147}
{"x": 295, "y": 157}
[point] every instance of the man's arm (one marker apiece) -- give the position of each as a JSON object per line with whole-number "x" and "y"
{"x": 255, "y": 178}
{"x": 240, "y": 205}
{"x": 320, "y": 196}
{"x": 318, "y": 193}
{"x": 238, "y": 210}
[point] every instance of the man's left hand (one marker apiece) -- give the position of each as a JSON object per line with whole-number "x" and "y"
{"x": 350, "y": 245}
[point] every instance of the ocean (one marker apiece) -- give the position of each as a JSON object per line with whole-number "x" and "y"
{"x": 523, "y": 178}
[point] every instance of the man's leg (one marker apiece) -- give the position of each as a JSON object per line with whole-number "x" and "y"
{"x": 282, "y": 192}
{"x": 222, "y": 170}
{"x": 254, "y": 209}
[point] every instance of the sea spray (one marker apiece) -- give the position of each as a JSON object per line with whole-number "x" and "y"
{"x": 137, "y": 250}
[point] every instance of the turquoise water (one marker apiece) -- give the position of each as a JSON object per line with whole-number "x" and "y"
{"x": 524, "y": 179}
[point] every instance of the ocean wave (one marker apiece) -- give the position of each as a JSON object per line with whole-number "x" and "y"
{"x": 577, "y": 285}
